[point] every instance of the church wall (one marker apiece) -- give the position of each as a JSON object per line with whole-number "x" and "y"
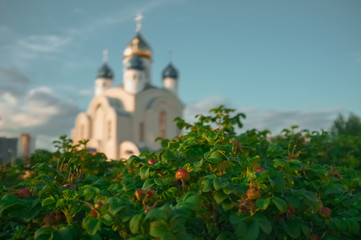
{"x": 149, "y": 105}
{"x": 110, "y": 138}
{"x": 126, "y": 98}
{"x": 81, "y": 130}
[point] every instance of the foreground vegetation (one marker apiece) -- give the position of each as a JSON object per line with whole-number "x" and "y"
{"x": 209, "y": 183}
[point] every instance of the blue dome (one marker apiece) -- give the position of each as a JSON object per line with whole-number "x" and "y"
{"x": 170, "y": 72}
{"x": 135, "y": 62}
{"x": 105, "y": 72}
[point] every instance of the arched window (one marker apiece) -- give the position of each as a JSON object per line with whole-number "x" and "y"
{"x": 162, "y": 124}
{"x": 109, "y": 130}
{"x": 141, "y": 131}
{"x": 82, "y": 132}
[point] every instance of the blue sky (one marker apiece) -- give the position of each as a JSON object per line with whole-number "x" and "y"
{"x": 280, "y": 62}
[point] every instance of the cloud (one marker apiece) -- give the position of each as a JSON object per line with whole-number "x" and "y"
{"x": 39, "y": 112}
{"x": 12, "y": 76}
{"x": 203, "y": 107}
{"x": 273, "y": 120}
{"x": 87, "y": 92}
{"x": 44, "y": 43}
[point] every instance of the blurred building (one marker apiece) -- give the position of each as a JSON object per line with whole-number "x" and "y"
{"x": 13, "y": 148}
{"x": 123, "y": 120}
{"x": 8, "y": 149}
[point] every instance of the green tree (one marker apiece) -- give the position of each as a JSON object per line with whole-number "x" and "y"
{"x": 349, "y": 126}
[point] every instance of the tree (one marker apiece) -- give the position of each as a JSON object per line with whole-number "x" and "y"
{"x": 349, "y": 126}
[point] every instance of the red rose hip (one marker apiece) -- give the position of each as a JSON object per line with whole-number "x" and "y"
{"x": 151, "y": 161}
{"x": 182, "y": 174}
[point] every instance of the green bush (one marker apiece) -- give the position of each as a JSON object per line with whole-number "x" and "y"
{"x": 242, "y": 186}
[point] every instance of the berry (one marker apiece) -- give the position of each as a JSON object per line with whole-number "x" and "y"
{"x": 22, "y": 193}
{"x": 253, "y": 193}
{"x": 139, "y": 194}
{"x": 151, "y": 161}
{"x": 49, "y": 219}
{"x": 182, "y": 174}
{"x": 325, "y": 212}
{"x": 98, "y": 204}
{"x": 259, "y": 169}
{"x": 59, "y": 217}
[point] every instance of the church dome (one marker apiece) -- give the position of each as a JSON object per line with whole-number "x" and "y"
{"x": 170, "y": 72}
{"x": 139, "y": 47}
{"x": 135, "y": 62}
{"x": 105, "y": 72}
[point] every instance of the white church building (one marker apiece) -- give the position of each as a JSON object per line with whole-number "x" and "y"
{"x": 124, "y": 120}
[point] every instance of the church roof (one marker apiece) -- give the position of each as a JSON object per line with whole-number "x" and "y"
{"x": 170, "y": 72}
{"x": 139, "y": 47}
{"x": 135, "y": 62}
{"x": 105, "y": 72}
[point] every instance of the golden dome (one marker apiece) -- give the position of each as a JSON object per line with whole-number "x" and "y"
{"x": 138, "y": 46}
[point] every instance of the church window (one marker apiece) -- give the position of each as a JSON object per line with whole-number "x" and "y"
{"x": 109, "y": 130}
{"x": 162, "y": 124}
{"x": 141, "y": 131}
{"x": 82, "y": 132}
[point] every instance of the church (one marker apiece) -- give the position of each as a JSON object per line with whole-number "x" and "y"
{"x": 123, "y": 120}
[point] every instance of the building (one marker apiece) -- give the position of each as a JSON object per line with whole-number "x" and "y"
{"x": 13, "y": 148}
{"x": 123, "y": 120}
{"x": 8, "y": 149}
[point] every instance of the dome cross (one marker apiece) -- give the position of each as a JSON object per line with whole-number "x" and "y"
{"x": 105, "y": 56}
{"x": 138, "y": 20}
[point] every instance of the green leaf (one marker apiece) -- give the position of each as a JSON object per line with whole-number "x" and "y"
{"x": 162, "y": 182}
{"x": 277, "y": 183}
{"x": 193, "y": 202}
{"x": 135, "y": 223}
{"x": 263, "y": 223}
{"x": 7, "y": 201}
{"x": 227, "y": 206}
{"x": 219, "y": 197}
{"x": 206, "y": 185}
{"x": 144, "y": 172}
{"x": 67, "y": 233}
{"x": 340, "y": 224}
{"x": 158, "y": 228}
{"x": 280, "y": 204}
{"x": 169, "y": 194}
{"x": 114, "y": 206}
{"x": 219, "y": 183}
{"x": 42, "y": 232}
{"x": 306, "y": 230}
{"x": 91, "y": 225}
{"x": 252, "y": 231}
{"x": 353, "y": 225}
{"x": 168, "y": 156}
{"x": 309, "y": 195}
{"x": 263, "y": 203}
{"x": 234, "y": 218}
{"x": 48, "y": 201}
{"x": 292, "y": 228}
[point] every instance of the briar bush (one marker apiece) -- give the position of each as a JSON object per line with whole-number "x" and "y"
{"x": 209, "y": 183}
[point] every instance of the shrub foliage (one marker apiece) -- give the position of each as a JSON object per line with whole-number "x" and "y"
{"x": 240, "y": 186}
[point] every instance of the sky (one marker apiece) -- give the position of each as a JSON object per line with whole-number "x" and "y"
{"x": 280, "y": 62}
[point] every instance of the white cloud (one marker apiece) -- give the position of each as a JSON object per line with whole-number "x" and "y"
{"x": 203, "y": 107}
{"x": 9, "y": 98}
{"x": 86, "y": 92}
{"x": 38, "y": 112}
{"x": 44, "y": 43}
